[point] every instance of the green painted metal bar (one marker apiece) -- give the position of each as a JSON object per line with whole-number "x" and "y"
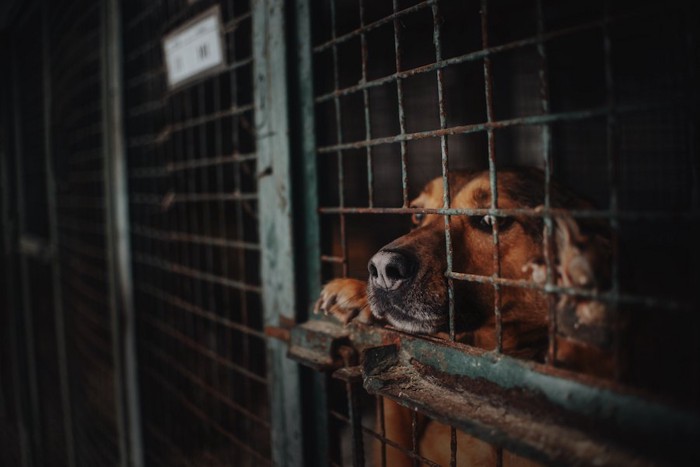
{"x": 275, "y": 217}
{"x": 51, "y": 194}
{"x": 308, "y": 240}
{"x": 539, "y": 411}
{"x": 118, "y": 242}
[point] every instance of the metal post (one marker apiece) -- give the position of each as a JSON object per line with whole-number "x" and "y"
{"x": 277, "y": 257}
{"x": 308, "y": 240}
{"x": 119, "y": 248}
{"x": 53, "y": 242}
{"x": 27, "y": 331}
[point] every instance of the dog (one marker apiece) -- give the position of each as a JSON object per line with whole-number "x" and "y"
{"x": 407, "y": 288}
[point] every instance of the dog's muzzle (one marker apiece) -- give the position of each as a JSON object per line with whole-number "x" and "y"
{"x": 391, "y": 269}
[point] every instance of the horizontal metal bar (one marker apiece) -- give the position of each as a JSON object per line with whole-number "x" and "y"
{"x": 194, "y": 345}
{"x": 196, "y": 380}
{"x": 235, "y": 22}
{"x": 155, "y": 375}
{"x": 158, "y": 71}
{"x": 156, "y": 433}
{"x": 205, "y": 162}
{"x": 170, "y": 167}
{"x": 639, "y": 216}
{"x": 374, "y": 25}
{"x": 473, "y": 56}
{"x": 604, "y": 296}
{"x": 332, "y": 259}
{"x": 518, "y": 121}
{"x": 167, "y": 200}
{"x": 81, "y": 226}
{"x": 410, "y": 453}
{"x": 182, "y": 270}
{"x": 165, "y": 134}
{"x": 178, "y": 302}
{"x": 172, "y": 236}
{"x": 552, "y": 415}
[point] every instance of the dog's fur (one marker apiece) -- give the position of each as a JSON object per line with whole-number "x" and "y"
{"x": 408, "y": 290}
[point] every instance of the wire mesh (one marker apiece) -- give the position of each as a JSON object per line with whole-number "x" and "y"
{"x": 196, "y": 251}
{"x": 78, "y": 156}
{"x": 411, "y": 90}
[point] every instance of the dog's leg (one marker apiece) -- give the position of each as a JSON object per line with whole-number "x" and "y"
{"x": 346, "y": 300}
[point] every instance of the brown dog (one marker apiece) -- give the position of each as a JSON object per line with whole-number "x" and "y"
{"x": 408, "y": 290}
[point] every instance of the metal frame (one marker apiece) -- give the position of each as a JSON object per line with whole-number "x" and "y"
{"x": 388, "y": 356}
{"x": 119, "y": 246}
{"x": 275, "y": 198}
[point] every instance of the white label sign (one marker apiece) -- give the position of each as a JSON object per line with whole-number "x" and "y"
{"x": 194, "y": 49}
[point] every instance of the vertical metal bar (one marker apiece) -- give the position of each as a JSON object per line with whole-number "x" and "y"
{"x": 27, "y": 319}
{"x": 60, "y": 328}
{"x": 365, "y": 96}
{"x": 488, "y": 83}
{"x": 613, "y": 158}
{"x": 444, "y": 159}
{"x": 118, "y": 241}
{"x": 355, "y": 416}
{"x": 445, "y": 166}
{"x": 339, "y": 137}
{"x": 381, "y": 423}
{"x": 305, "y": 90}
{"x": 414, "y": 437}
{"x": 275, "y": 214}
{"x": 310, "y": 239}
{"x": 9, "y": 231}
{"x": 548, "y": 241}
{"x": 402, "y": 115}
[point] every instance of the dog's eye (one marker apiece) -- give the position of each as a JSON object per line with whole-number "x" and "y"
{"x": 418, "y": 217}
{"x": 487, "y": 222}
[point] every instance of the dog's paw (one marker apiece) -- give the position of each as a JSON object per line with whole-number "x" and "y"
{"x": 346, "y": 300}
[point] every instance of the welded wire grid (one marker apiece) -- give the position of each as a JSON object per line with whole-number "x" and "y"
{"x": 193, "y": 202}
{"x": 82, "y": 233}
{"x": 387, "y": 98}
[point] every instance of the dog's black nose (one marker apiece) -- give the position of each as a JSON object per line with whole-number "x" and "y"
{"x": 390, "y": 269}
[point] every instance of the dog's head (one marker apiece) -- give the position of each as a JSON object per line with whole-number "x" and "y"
{"x": 407, "y": 283}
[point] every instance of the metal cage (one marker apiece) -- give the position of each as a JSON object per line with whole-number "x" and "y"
{"x": 164, "y": 243}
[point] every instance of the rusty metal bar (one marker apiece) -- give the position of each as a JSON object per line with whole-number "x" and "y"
{"x": 637, "y": 216}
{"x": 488, "y": 84}
{"x": 365, "y": 97}
{"x": 387, "y": 441}
{"x": 192, "y": 273}
{"x": 613, "y": 157}
{"x": 184, "y": 305}
{"x": 444, "y": 166}
{"x": 175, "y": 236}
{"x": 156, "y": 375}
{"x": 517, "y": 121}
{"x": 478, "y": 55}
{"x": 365, "y": 28}
{"x": 399, "y": 97}
{"x": 339, "y": 139}
{"x": 576, "y": 292}
{"x": 548, "y": 239}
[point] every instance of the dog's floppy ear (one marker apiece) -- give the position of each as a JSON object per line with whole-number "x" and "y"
{"x": 582, "y": 260}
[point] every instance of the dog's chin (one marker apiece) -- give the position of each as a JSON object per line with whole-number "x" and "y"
{"x": 413, "y": 326}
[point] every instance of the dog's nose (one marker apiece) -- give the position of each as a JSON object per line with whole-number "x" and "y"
{"x": 390, "y": 269}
